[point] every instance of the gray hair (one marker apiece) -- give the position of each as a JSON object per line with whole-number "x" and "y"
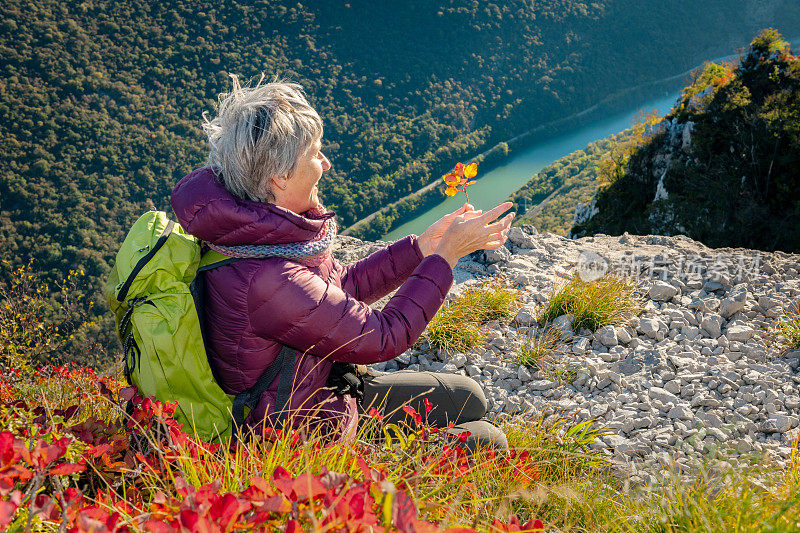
{"x": 259, "y": 132}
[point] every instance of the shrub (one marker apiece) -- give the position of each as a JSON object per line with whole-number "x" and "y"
{"x": 458, "y": 324}
{"x": 592, "y": 304}
{"x": 35, "y": 330}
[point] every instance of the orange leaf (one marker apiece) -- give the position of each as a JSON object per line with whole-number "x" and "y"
{"x": 67, "y": 468}
{"x": 469, "y": 183}
{"x": 451, "y": 179}
{"x": 277, "y": 504}
{"x": 471, "y": 171}
{"x": 459, "y": 170}
{"x": 308, "y": 487}
{"x": 451, "y": 191}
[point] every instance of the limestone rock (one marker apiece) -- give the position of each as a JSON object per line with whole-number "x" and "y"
{"x": 734, "y": 302}
{"x": 607, "y": 335}
{"x": 661, "y": 290}
{"x": 739, "y": 333}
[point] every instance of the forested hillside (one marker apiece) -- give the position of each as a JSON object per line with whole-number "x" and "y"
{"x": 722, "y": 167}
{"x": 548, "y": 200}
{"x": 100, "y": 102}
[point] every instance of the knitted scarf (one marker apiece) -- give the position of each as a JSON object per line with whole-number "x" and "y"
{"x": 310, "y": 253}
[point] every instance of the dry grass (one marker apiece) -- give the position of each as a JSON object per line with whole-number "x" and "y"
{"x": 593, "y": 304}
{"x": 541, "y": 344}
{"x": 458, "y": 326}
{"x": 788, "y": 330}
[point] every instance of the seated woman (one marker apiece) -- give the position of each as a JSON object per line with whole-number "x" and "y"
{"x": 258, "y": 201}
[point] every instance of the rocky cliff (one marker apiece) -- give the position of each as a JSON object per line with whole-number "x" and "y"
{"x": 721, "y": 167}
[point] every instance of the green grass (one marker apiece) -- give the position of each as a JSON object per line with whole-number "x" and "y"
{"x": 458, "y": 326}
{"x": 789, "y": 329}
{"x": 540, "y": 345}
{"x": 593, "y": 304}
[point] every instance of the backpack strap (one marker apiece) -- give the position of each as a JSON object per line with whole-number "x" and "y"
{"x": 284, "y": 364}
{"x": 123, "y": 292}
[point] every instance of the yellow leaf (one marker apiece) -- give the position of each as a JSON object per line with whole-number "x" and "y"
{"x": 451, "y": 191}
{"x": 471, "y": 171}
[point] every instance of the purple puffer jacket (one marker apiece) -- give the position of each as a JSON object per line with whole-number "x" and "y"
{"x": 254, "y": 306}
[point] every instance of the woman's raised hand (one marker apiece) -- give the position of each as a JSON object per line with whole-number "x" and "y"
{"x": 470, "y": 231}
{"x": 429, "y": 240}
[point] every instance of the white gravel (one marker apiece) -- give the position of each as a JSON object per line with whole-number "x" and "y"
{"x": 694, "y": 378}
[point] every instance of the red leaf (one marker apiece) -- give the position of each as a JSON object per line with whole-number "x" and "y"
{"x": 88, "y": 524}
{"x": 280, "y": 473}
{"x": 104, "y": 390}
{"x": 261, "y": 484}
{"x": 159, "y": 526}
{"x": 413, "y": 412}
{"x": 428, "y": 405}
{"x": 72, "y": 493}
{"x": 459, "y": 170}
{"x": 307, "y": 487}
{"x": 67, "y": 468}
{"x": 69, "y": 412}
{"x": 44, "y": 505}
{"x": 282, "y": 480}
{"x": 225, "y": 510}
{"x": 533, "y": 525}
{"x": 293, "y": 526}
{"x": 127, "y": 393}
{"x": 97, "y": 451}
{"x": 7, "y": 511}
{"x": 403, "y": 512}
{"x": 44, "y": 454}
{"x": 277, "y": 504}
{"x": 6, "y": 447}
{"x": 331, "y": 479}
{"x": 189, "y": 519}
{"x": 365, "y": 469}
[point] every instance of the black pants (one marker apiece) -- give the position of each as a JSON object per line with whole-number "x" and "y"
{"x": 455, "y": 398}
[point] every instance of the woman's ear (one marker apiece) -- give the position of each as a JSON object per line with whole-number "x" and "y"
{"x": 280, "y": 181}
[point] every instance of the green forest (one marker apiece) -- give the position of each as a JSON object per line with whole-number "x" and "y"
{"x": 726, "y": 158}
{"x": 101, "y": 102}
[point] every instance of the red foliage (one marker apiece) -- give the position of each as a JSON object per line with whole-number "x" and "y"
{"x": 42, "y": 465}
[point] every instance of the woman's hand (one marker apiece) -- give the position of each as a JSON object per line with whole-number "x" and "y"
{"x": 429, "y": 240}
{"x": 471, "y": 231}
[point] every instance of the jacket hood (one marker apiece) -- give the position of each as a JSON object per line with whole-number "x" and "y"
{"x": 207, "y": 210}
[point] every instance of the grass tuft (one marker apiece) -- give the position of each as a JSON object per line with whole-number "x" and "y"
{"x": 789, "y": 329}
{"x": 541, "y": 344}
{"x": 458, "y": 326}
{"x": 593, "y": 304}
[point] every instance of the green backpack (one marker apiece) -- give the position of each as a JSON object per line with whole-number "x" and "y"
{"x": 155, "y": 290}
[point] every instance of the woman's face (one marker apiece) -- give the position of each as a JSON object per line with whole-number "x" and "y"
{"x": 300, "y": 192}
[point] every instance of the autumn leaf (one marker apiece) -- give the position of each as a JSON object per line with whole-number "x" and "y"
{"x": 67, "y": 468}
{"x": 451, "y": 179}
{"x": 428, "y": 405}
{"x": 307, "y": 487}
{"x": 471, "y": 170}
{"x": 460, "y": 177}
